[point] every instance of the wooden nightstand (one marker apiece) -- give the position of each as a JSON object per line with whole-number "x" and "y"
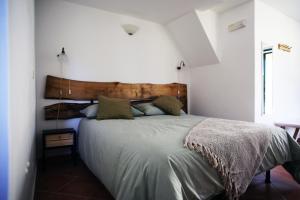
{"x": 59, "y": 138}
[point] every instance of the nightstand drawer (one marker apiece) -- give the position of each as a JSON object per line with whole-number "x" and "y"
{"x": 57, "y": 143}
{"x": 57, "y": 140}
{"x": 64, "y": 136}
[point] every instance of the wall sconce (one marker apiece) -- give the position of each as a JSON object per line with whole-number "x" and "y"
{"x": 62, "y": 58}
{"x": 182, "y": 64}
{"x": 130, "y": 29}
{"x": 284, "y": 47}
{"x": 62, "y": 53}
{"x": 237, "y": 25}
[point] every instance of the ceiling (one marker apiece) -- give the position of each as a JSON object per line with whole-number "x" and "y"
{"x": 161, "y": 11}
{"x": 164, "y": 11}
{"x": 290, "y": 8}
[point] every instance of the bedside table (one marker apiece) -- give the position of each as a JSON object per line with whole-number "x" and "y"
{"x": 59, "y": 138}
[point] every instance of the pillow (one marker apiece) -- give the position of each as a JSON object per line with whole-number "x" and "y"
{"x": 113, "y": 108}
{"x": 169, "y": 104}
{"x": 182, "y": 112}
{"x": 91, "y": 111}
{"x": 136, "y": 112}
{"x": 149, "y": 109}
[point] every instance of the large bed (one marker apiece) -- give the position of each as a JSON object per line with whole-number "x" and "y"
{"x": 145, "y": 158}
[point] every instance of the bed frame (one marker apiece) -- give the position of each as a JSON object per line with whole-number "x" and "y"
{"x": 85, "y": 93}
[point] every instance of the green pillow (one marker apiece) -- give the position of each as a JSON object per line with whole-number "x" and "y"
{"x": 169, "y": 104}
{"x": 113, "y": 108}
{"x": 149, "y": 109}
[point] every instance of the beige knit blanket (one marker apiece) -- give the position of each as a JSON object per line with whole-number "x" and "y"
{"x": 235, "y": 148}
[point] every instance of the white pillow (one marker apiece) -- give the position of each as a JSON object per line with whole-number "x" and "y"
{"x": 91, "y": 111}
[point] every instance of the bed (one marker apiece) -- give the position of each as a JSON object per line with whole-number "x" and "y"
{"x": 145, "y": 158}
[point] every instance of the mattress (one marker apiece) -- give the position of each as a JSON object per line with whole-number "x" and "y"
{"x": 144, "y": 158}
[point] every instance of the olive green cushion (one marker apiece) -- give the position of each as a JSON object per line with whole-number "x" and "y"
{"x": 169, "y": 104}
{"x": 113, "y": 108}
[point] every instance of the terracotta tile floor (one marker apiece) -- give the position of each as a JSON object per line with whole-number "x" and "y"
{"x": 63, "y": 181}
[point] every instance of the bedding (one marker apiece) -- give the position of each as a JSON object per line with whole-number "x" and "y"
{"x": 145, "y": 158}
{"x": 234, "y": 148}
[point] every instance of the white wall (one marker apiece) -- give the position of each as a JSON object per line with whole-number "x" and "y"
{"x": 226, "y": 90}
{"x": 21, "y": 100}
{"x": 98, "y": 49}
{"x": 273, "y": 27}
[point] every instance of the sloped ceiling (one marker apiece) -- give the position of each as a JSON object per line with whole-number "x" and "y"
{"x": 192, "y": 31}
{"x": 161, "y": 11}
{"x": 290, "y": 8}
{"x": 194, "y": 39}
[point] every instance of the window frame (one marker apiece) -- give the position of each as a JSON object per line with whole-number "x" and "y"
{"x": 265, "y": 51}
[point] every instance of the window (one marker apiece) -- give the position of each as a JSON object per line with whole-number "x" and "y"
{"x": 267, "y": 73}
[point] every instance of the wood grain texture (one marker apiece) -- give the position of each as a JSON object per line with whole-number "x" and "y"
{"x": 58, "y": 88}
{"x": 66, "y": 110}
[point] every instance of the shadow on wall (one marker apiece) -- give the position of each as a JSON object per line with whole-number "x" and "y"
{"x": 3, "y": 101}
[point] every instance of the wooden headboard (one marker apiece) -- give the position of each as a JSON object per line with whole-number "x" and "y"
{"x": 59, "y": 88}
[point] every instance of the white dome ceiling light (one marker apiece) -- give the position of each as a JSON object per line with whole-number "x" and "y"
{"x": 130, "y": 29}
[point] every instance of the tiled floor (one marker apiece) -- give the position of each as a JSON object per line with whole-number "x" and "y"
{"x": 63, "y": 181}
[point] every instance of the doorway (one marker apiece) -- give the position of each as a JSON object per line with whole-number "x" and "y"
{"x": 3, "y": 100}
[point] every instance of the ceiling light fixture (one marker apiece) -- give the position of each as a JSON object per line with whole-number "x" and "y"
{"x": 130, "y": 29}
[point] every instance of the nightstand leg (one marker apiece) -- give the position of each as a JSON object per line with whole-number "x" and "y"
{"x": 44, "y": 154}
{"x": 74, "y": 155}
{"x": 44, "y": 159}
{"x": 268, "y": 177}
{"x": 74, "y": 149}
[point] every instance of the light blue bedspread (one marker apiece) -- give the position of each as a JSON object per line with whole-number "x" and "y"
{"x": 144, "y": 159}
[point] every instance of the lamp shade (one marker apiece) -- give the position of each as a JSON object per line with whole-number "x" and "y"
{"x": 130, "y": 29}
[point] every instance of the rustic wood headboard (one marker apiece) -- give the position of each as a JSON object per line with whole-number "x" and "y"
{"x": 59, "y": 88}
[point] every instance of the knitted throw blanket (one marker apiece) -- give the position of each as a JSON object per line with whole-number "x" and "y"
{"x": 234, "y": 148}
